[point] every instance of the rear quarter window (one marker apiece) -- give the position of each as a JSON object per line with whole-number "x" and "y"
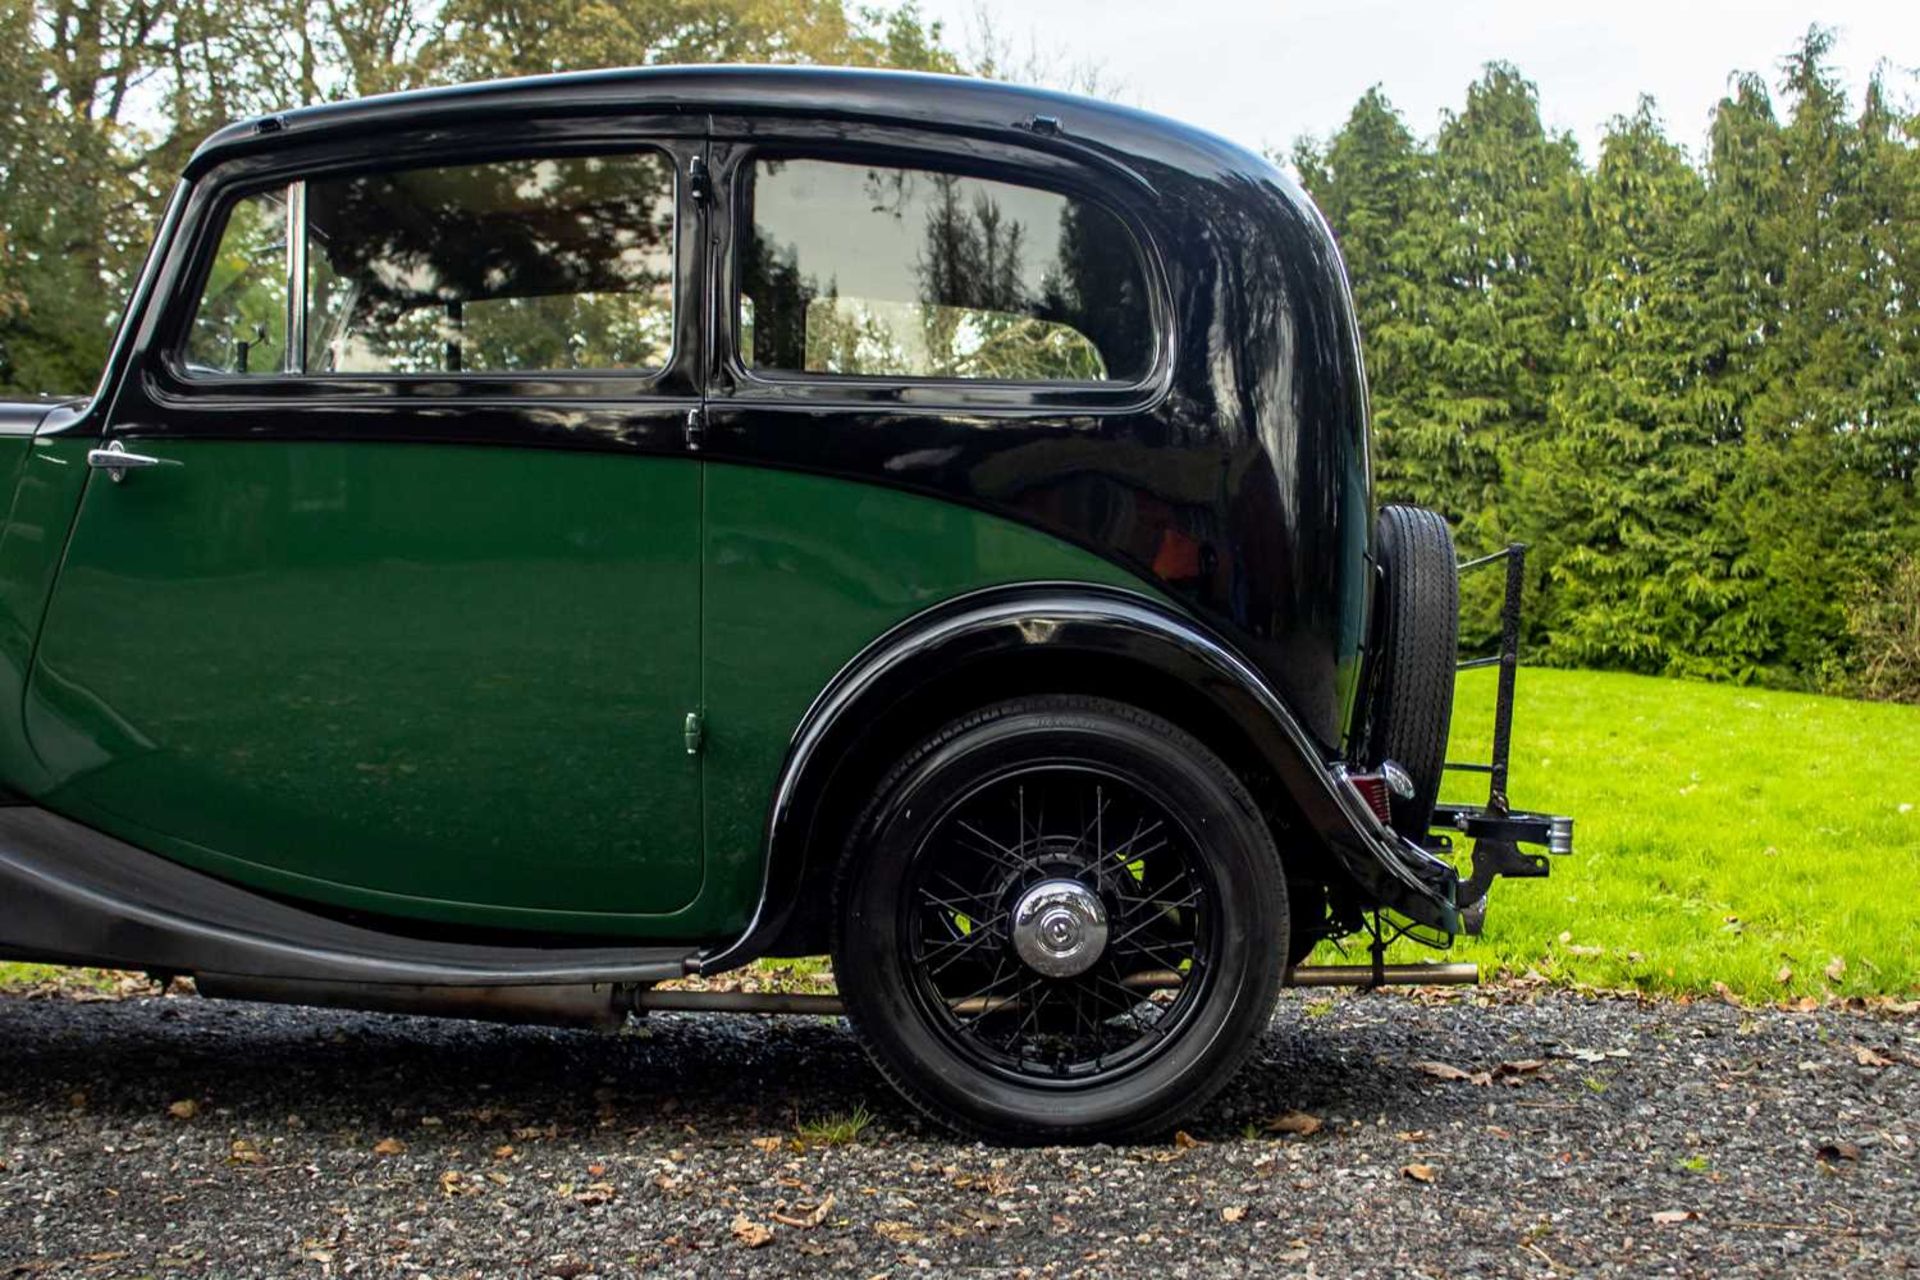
{"x": 871, "y": 271}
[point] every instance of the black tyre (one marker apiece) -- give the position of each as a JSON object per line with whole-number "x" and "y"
{"x": 1418, "y": 637}
{"x": 1062, "y": 919}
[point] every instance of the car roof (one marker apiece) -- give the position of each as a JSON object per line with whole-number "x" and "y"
{"x": 901, "y": 97}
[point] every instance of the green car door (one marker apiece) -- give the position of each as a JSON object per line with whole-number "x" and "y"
{"x": 391, "y": 598}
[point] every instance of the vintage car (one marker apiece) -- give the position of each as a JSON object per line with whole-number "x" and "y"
{"x": 537, "y": 541}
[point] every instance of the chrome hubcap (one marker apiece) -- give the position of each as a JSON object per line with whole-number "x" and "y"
{"x": 1059, "y": 928}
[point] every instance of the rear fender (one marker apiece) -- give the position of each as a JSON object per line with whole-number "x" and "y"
{"x": 1076, "y": 619}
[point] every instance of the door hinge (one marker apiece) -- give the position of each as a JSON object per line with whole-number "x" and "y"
{"x": 695, "y": 731}
{"x": 699, "y": 183}
{"x": 696, "y": 428}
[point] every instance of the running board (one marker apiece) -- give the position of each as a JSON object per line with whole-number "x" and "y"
{"x": 73, "y": 895}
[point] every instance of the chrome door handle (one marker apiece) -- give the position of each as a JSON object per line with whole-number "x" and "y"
{"x": 116, "y": 461}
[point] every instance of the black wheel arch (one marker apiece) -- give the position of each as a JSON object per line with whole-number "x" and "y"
{"x": 1000, "y": 642}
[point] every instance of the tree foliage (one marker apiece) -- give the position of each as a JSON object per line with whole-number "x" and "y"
{"x": 1692, "y": 385}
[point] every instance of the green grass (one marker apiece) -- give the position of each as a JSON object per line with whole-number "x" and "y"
{"x": 1722, "y": 834}
{"x": 840, "y": 1129}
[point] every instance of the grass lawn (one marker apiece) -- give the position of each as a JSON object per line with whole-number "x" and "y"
{"x": 1722, "y": 835}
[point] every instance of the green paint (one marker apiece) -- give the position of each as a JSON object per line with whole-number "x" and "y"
{"x": 455, "y": 684}
{"x": 436, "y": 681}
{"x": 44, "y": 479}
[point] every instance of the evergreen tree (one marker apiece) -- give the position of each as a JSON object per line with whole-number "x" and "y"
{"x": 1626, "y": 484}
{"x": 1373, "y": 182}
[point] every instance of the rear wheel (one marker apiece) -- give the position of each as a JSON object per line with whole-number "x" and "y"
{"x": 1411, "y": 707}
{"x": 1062, "y": 919}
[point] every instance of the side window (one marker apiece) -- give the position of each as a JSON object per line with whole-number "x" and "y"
{"x": 524, "y": 265}
{"x": 519, "y": 266}
{"x": 241, "y": 323}
{"x": 855, "y": 270}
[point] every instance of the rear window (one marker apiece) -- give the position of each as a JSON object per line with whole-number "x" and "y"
{"x": 869, "y": 271}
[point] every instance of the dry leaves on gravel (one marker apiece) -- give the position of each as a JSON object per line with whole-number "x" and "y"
{"x": 185, "y": 1109}
{"x": 750, "y": 1233}
{"x": 1506, "y": 1072}
{"x": 1671, "y": 1217}
{"x": 1297, "y": 1122}
{"x": 389, "y": 1147}
{"x": 806, "y": 1218}
{"x": 1233, "y": 1213}
{"x": 1419, "y": 1172}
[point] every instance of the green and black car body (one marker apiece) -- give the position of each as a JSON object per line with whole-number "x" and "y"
{"x": 537, "y": 540}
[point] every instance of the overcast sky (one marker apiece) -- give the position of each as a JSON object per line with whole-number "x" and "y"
{"x": 1264, "y": 73}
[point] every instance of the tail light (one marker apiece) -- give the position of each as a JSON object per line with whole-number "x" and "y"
{"x": 1380, "y": 787}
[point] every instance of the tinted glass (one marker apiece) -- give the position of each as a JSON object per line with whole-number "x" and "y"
{"x": 884, "y": 272}
{"x": 241, "y": 323}
{"x": 523, "y": 265}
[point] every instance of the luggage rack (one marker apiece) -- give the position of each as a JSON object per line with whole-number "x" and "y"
{"x": 1496, "y": 828}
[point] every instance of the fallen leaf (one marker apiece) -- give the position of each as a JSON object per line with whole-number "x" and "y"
{"x": 1442, "y": 1071}
{"x": 899, "y": 1232}
{"x": 595, "y": 1193}
{"x": 1419, "y": 1172}
{"x": 769, "y": 1145}
{"x": 503, "y": 1153}
{"x": 1836, "y": 969}
{"x": 389, "y": 1147}
{"x": 750, "y": 1233}
{"x": 185, "y": 1109}
{"x": 1785, "y": 975}
{"x": 498, "y": 1178}
{"x": 1233, "y": 1213}
{"x": 244, "y": 1152}
{"x": 1519, "y": 1067}
{"x": 1668, "y": 1217}
{"x": 1412, "y": 1135}
{"x": 1185, "y": 1141}
{"x": 1871, "y": 1058}
{"x": 1834, "y": 1151}
{"x": 811, "y": 1218}
{"x": 595, "y": 1170}
{"x": 1295, "y": 1122}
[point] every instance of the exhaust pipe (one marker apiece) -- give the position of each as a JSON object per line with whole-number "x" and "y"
{"x": 601, "y": 1005}
{"x": 1387, "y": 975}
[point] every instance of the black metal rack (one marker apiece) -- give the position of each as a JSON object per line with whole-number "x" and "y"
{"x": 1495, "y": 828}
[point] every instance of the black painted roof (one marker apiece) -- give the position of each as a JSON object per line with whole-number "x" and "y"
{"x": 916, "y": 98}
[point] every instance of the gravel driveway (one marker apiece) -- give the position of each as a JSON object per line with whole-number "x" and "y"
{"x": 180, "y": 1136}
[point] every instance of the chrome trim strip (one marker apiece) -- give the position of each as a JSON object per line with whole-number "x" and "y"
{"x": 294, "y": 360}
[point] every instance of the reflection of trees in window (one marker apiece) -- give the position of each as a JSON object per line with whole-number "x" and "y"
{"x": 1096, "y": 286}
{"x": 518, "y": 265}
{"x": 241, "y": 321}
{"x": 963, "y": 301}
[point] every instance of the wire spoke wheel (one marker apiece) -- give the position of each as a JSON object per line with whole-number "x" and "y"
{"x": 1058, "y": 925}
{"x": 1060, "y": 918}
